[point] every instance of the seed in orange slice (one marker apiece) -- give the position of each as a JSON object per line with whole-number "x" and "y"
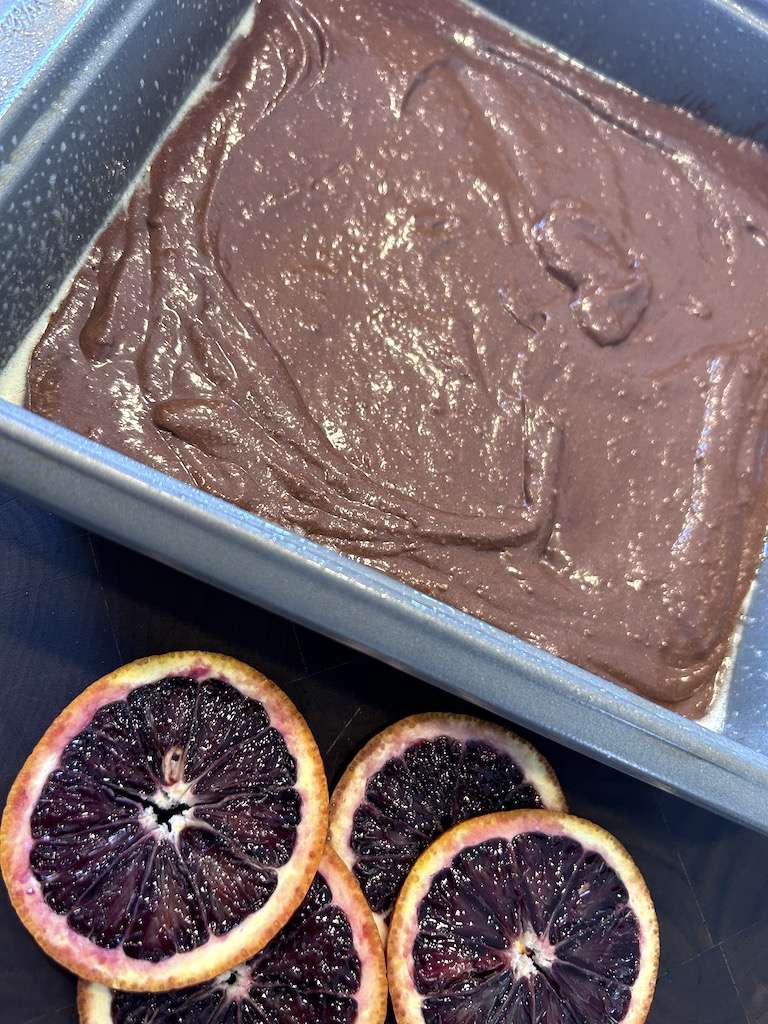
{"x": 418, "y": 778}
{"x": 325, "y": 967}
{"x": 167, "y": 824}
{"x": 528, "y": 917}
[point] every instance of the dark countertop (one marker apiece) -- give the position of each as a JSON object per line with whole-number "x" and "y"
{"x": 73, "y": 606}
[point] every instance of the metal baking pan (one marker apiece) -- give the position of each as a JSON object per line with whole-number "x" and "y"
{"x": 86, "y": 88}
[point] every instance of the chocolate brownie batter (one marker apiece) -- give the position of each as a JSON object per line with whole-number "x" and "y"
{"x": 440, "y": 299}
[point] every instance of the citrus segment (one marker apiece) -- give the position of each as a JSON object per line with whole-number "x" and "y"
{"x": 418, "y": 778}
{"x": 530, "y": 917}
{"x": 325, "y": 967}
{"x": 167, "y": 824}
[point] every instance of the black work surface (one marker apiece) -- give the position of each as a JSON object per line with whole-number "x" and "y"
{"x": 73, "y": 606}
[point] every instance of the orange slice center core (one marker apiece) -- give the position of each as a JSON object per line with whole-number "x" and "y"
{"x": 529, "y": 952}
{"x": 237, "y": 983}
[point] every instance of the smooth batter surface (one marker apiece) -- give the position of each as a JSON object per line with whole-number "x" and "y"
{"x": 441, "y": 300}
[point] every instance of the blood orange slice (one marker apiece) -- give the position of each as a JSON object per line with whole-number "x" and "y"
{"x": 325, "y": 967}
{"x": 167, "y": 824}
{"x": 417, "y": 779}
{"x": 530, "y": 917}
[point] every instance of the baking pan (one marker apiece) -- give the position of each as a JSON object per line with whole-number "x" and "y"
{"x": 86, "y": 89}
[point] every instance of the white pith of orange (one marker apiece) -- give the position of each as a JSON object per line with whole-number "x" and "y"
{"x": 94, "y": 1001}
{"x": 112, "y": 967}
{"x": 407, "y": 1002}
{"x": 392, "y": 742}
